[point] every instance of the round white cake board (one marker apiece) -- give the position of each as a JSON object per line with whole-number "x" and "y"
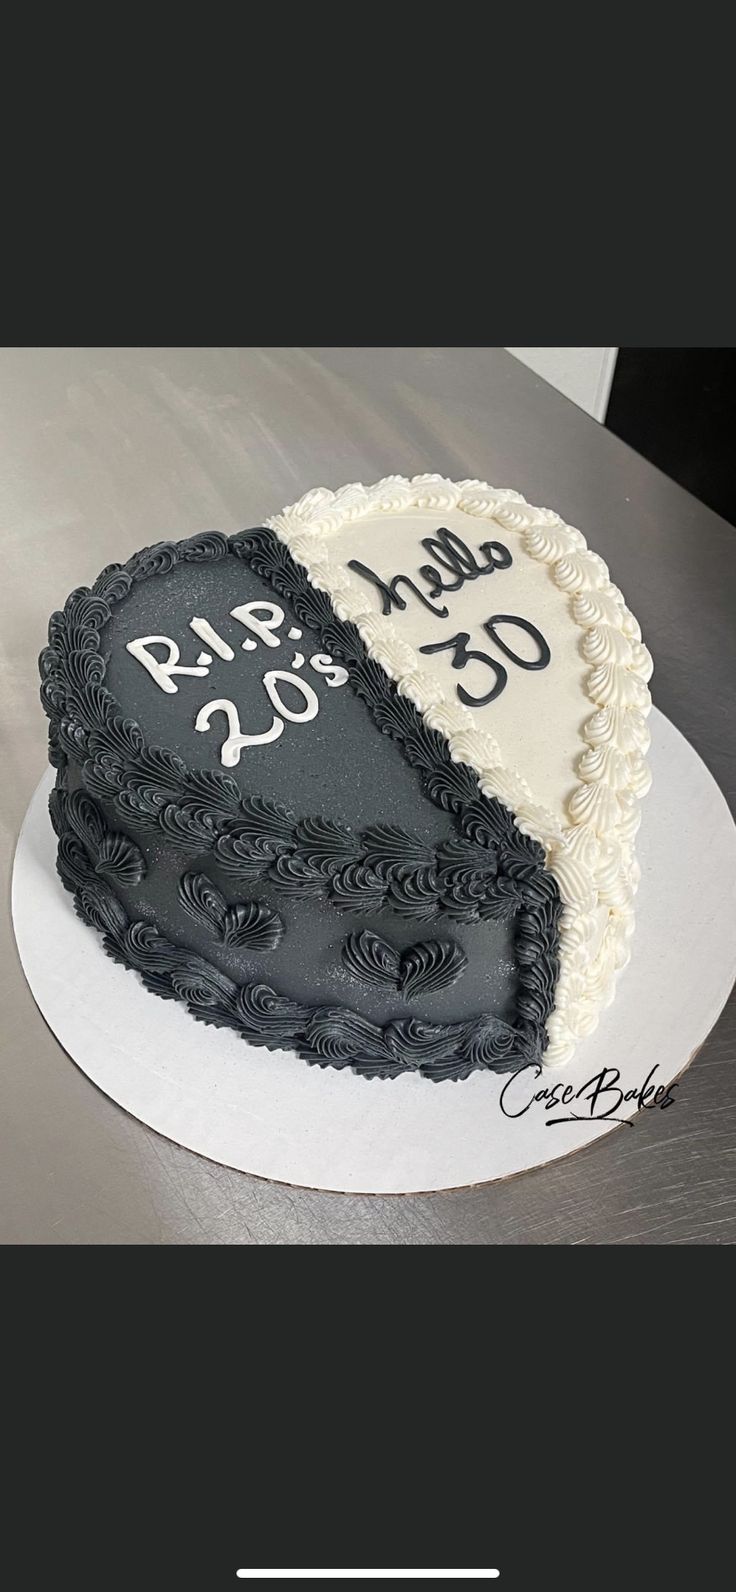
{"x": 268, "y": 1113}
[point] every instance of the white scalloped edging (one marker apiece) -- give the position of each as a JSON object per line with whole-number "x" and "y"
{"x": 592, "y": 858}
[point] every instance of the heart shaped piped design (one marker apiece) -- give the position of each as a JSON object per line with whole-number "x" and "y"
{"x": 417, "y": 970}
{"x": 248, "y": 924}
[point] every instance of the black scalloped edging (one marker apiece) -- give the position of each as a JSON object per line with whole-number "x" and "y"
{"x": 325, "y": 1036}
{"x": 488, "y": 870}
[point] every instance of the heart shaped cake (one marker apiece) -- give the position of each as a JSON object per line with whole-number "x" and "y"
{"x": 362, "y": 783}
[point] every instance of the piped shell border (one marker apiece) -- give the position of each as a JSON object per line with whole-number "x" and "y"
{"x": 592, "y": 856}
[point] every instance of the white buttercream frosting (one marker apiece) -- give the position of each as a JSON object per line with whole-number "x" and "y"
{"x": 579, "y": 795}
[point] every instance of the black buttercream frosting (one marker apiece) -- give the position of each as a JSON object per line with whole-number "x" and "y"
{"x": 211, "y": 885}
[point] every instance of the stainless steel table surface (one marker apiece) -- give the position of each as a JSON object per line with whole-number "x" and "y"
{"x": 104, "y": 450}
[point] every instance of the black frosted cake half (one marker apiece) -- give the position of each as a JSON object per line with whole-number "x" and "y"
{"x": 362, "y": 783}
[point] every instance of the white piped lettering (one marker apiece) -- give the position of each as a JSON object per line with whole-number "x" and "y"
{"x": 159, "y": 671}
{"x": 263, "y": 629}
{"x": 311, "y": 700}
{"x": 206, "y": 633}
{"x": 333, "y": 672}
{"x": 232, "y": 747}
